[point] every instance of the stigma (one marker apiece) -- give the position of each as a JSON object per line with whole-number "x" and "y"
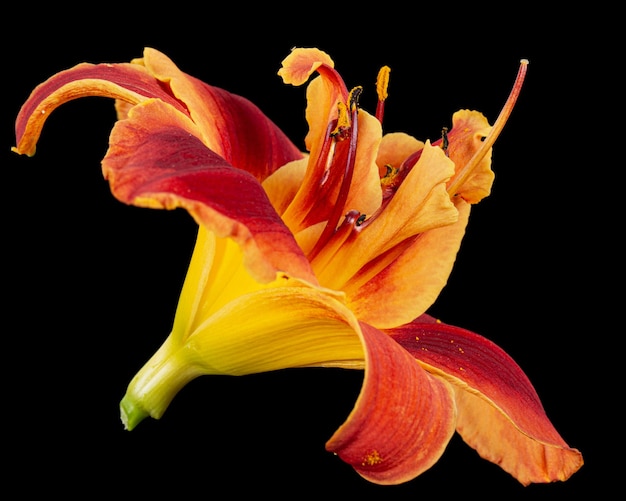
{"x": 464, "y": 173}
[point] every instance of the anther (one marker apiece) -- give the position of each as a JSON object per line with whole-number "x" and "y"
{"x": 444, "y": 140}
{"x": 340, "y": 131}
{"x": 354, "y": 96}
{"x": 382, "y": 82}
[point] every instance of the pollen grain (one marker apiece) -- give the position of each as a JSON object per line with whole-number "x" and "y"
{"x": 372, "y": 458}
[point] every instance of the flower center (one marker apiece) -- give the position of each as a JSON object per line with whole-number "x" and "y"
{"x": 338, "y": 156}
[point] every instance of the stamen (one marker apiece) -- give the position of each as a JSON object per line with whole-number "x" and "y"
{"x": 488, "y": 142}
{"x": 336, "y": 214}
{"x": 343, "y": 122}
{"x": 382, "y": 82}
{"x": 444, "y": 140}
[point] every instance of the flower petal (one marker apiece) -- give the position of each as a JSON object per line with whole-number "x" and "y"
{"x": 420, "y": 204}
{"x": 402, "y": 420}
{"x": 499, "y": 412}
{"x": 283, "y": 325}
{"x": 281, "y": 187}
{"x": 325, "y": 92}
{"x": 125, "y": 81}
{"x": 156, "y": 160}
{"x": 469, "y": 129}
{"x": 395, "y": 148}
{"x": 390, "y": 292}
{"x": 229, "y": 124}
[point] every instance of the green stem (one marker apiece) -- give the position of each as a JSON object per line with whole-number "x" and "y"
{"x": 155, "y": 385}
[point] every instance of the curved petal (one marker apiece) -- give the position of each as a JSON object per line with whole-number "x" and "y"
{"x": 284, "y": 325}
{"x": 395, "y": 148}
{"x": 469, "y": 129}
{"x": 328, "y": 90}
{"x": 281, "y": 187}
{"x": 500, "y": 414}
{"x": 155, "y": 159}
{"x": 229, "y": 124}
{"x": 125, "y": 81}
{"x": 390, "y": 292}
{"x": 402, "y": 420}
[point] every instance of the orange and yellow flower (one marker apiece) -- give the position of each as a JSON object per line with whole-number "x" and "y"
{"x": 324, "y": 258}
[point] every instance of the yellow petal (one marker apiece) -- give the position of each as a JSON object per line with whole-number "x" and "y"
{"x": 283, "y": 326}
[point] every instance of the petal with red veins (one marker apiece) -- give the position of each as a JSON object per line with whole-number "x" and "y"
{"x": 402, "y": 420}
{"x": 156, "y": 159}
{"x": 229, "y": 124}
{"x": 499, "y": 412}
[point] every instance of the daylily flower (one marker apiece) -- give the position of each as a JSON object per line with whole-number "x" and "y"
{"x": 324, "y": 258}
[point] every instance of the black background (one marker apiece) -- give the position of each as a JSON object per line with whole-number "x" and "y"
{"x": 91, "y": 285}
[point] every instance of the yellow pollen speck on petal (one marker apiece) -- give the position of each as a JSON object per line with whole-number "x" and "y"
{"x": 373, "y": 458}
{"x": 461, "y": 350}
{"x": 417, "y": 338}
{"x": 461, "y": 369}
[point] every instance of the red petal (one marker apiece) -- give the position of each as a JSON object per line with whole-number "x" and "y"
{"x": 128, "y": 82}
{"x": 402, "y": 420}
{"x": 500, "y": 414}
{"x": 156, "y": 160}
{"x": 230, "y": 125}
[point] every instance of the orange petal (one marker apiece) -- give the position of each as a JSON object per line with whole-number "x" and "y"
{"x": 301, "y": 63}
{"x": 391, "y": 291}
{"x": 469, "y": 129}
{"x": 281, "y": 187}
{"x": 395, "y": 148}
{"x": 402, "y": 420}
{"x": 156, "y": 160}
{"x": 420, "y": 204}
{"x": 499, "y": 412}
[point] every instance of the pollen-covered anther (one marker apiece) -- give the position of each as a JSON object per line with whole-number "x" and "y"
{"x": 444, "y": 140}
{"x": 382, "y": 83}
{"x": 341, "y": 130}
{"x": 354, "y": 96}
{"x": 344, "y": 113}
